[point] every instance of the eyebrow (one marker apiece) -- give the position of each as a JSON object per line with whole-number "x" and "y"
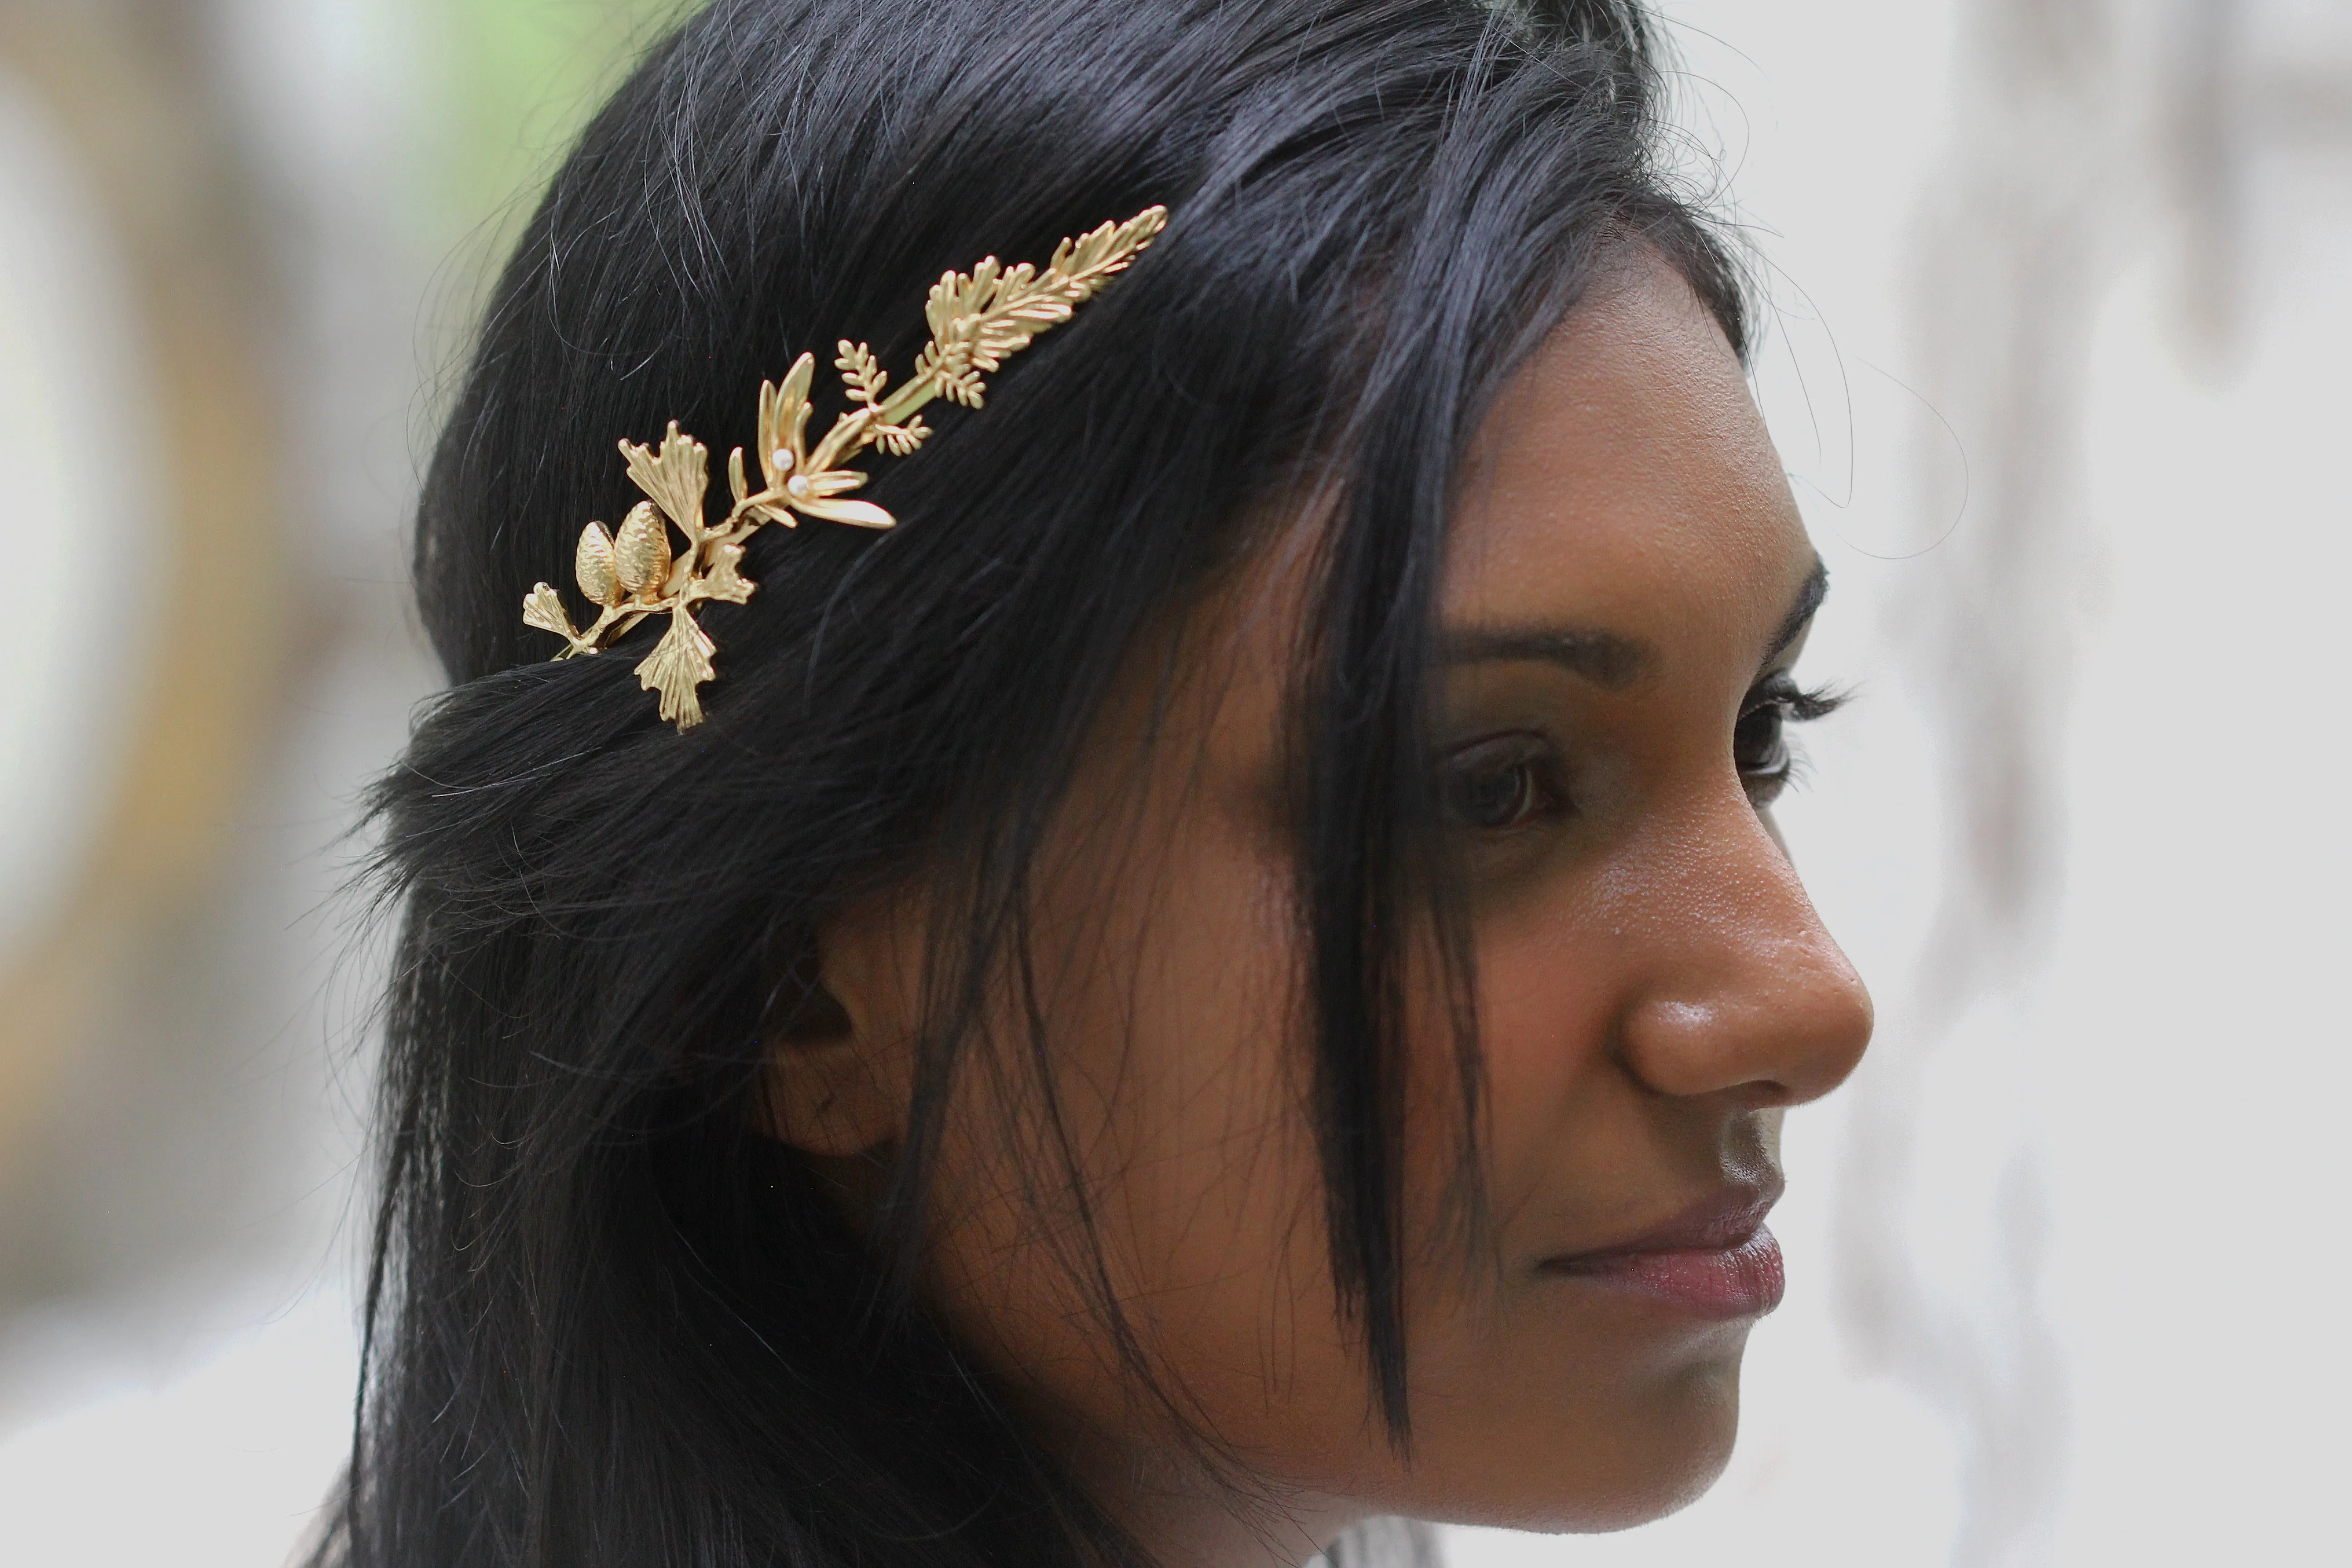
{"x": 1809, "y": 602}
{"x": 1607, "y": 659}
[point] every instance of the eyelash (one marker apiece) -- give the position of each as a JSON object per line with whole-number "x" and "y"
{"x": 1512, "y": 782}
{"x": 1759, "y": 743}
{"x": 1527, "y": 770}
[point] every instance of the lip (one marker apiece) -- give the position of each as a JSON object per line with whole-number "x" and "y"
{"x": 1716, "y": 1259}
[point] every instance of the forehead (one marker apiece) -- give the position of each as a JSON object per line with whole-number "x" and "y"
{"x": 1625, "y": 481}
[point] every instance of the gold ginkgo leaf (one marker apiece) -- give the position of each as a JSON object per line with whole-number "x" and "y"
{"x": 724, "y": 581}
{"x": 641, "y": 552}
{"x": 543, "y": 608}
{"x": 680, "y": 663}
{"x": 599, "y": 577}
{"x": 675, "y": 474}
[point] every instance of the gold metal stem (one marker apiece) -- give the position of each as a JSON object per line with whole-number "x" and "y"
{"x": 978, "y": 320}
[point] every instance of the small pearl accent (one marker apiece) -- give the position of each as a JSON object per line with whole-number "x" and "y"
{"x": 784, "y": 458}
{"x": 798, "y": 486}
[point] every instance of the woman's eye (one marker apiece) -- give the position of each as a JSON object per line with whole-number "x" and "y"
{"x": 1494, "y": 786}
{"x": 1759, "y": 742}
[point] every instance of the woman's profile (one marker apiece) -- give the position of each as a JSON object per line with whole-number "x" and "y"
{"x": 1225, "y": 979}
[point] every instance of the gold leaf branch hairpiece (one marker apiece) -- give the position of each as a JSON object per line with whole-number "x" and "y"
{"x": 978, "y": 320}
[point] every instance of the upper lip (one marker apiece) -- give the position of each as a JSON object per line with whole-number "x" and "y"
{"x": 1724, "y": 1219}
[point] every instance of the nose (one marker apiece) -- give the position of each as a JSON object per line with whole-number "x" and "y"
{"x": 1742, "y": 991}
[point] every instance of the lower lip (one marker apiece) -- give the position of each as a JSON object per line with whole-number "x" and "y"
{"x": 1742, "y": 1282}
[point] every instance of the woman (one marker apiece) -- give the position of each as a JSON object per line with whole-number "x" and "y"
{"x": 1227, "y": 978}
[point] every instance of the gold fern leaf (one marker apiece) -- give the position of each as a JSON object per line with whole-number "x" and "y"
{"x": 981, "y": 319}
{"x": 680, "y": 663}
{"x": 862, "y": 377}
{"x": 641, "y": 554}
{"x": 956, "y": 295}
{"x": 1092, "y": 259}
{"x": 901, "y": 440}
{"x": 593, "y": 565}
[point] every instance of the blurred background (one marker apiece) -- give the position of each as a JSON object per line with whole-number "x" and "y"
{"x": 2062, "y": 299}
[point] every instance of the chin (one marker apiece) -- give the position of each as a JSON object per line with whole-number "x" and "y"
{"x": 1672, "y": 1458}
{"x": 1648, "y": 1457}
{"x": 1670, "y": 1490}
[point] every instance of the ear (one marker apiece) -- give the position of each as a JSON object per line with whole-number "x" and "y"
{"x": 839, "y": 1038}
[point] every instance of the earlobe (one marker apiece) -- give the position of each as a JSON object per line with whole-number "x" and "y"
{"x": 838, "y": 1074}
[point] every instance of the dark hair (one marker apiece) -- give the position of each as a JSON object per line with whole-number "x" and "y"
{"x": 608, "y": 1321}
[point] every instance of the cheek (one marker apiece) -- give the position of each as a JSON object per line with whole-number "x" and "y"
{"x": 1181, "y": 1152}
{"x": 1538, "y": 1405}
{"x": 1547, "y": 1000}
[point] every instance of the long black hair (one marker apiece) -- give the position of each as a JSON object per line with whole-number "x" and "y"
{"x": 609, "y": 1321}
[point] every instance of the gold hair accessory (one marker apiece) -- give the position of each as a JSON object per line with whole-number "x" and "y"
{"x": 978, "y": 321}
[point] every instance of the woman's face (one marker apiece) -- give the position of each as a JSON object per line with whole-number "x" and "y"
{"x": 1628, "y": 587}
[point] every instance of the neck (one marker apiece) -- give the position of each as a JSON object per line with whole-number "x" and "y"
{"x": 1187, "y": 1516}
